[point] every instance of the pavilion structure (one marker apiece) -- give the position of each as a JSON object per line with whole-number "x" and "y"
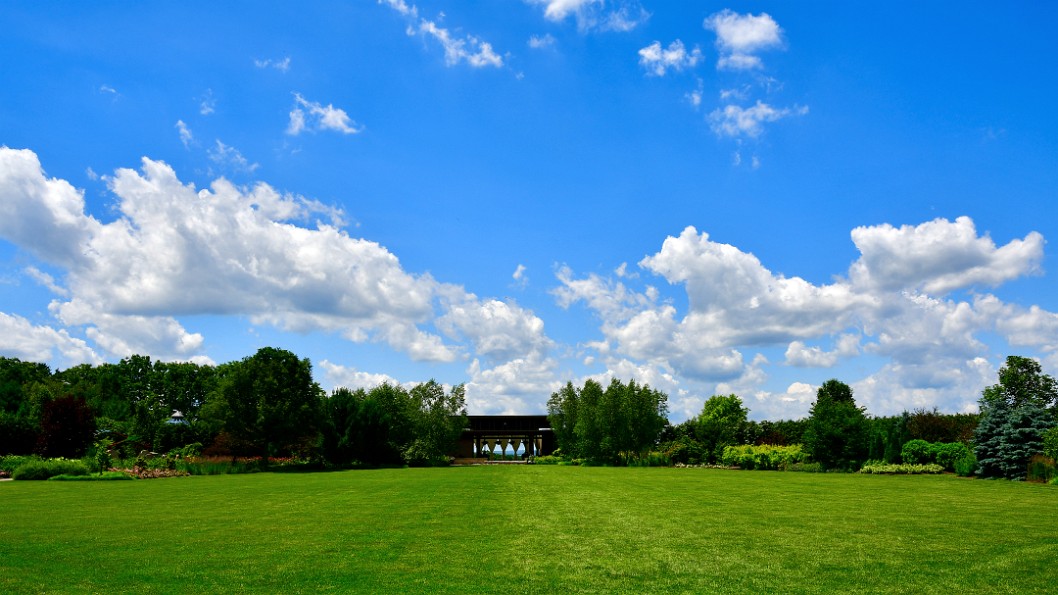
{"x": 531, "y": 433}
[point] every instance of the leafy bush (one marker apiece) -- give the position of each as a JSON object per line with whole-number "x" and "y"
{"x": 905, "y": 469}
{"x": 966, "y": 466}
{"x": 548, "y": 460}
{"x": 917, "y": 452}
{"x": 1050, "y": 443}
{"x": 765, "y": 456}
{"x": 9, "y": 463}
{"x": 946, "y": 454}
{"x": 44, "y": 469}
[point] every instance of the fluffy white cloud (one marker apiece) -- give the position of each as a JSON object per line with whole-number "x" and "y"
{"x": 740, "y": 36}
{"x": 521, "y": 385}
{"x": 44, "y": 216}
{"x": 313, "y": 116}
{"x": 737, "y": 121}
{"x": 940, "y": 256}
{"x": 658, "y": 61}
{"x": 123, "y": 335}
{"x": 499, "y": 331}
{"x": 227, "y": 250}
{"x": 22, "y": 339}
{"x": 800, "y": 355}
{"x": 343, "y": 376}
{"x": 930, "y": 347}
{"x": 596, "y": 15}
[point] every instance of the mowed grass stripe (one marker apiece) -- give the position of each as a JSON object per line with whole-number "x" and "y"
{"x": 519, "y": 529}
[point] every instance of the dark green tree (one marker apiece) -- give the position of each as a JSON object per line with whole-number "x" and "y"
{"x": 340, "y": 426}
{"x": 270, "y": 403}
{"x": 722, "y": 423}
{"x": 836, "y": 433}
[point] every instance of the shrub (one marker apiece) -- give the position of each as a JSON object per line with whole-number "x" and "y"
{"x": 765, "y": 456}
{"x": 44, "y": 469}
{"x": 946, "y": 454}
{"x": 966, "y": 466}
{"x": 9, "y": 463}
{"x": 1041, "y": 469}
{"x": 917, "y": 452}
{"x": 1050, "y": 443}
{"x": 905, "y": 469}
{"x": 548, "y": 460}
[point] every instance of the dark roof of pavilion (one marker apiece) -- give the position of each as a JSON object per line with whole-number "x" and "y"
{"x": 508, "y": 423}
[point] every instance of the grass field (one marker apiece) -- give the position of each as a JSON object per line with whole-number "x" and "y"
{"x": 541, "y": 529}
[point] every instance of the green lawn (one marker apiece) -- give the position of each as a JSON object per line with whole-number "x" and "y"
{"x": 518, "y": 529}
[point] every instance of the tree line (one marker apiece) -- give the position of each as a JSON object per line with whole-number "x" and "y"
{"x": 265, "y": 405}
{"x": 1016, "y": 425}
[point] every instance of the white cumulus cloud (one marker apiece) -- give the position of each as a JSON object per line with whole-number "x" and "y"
{"x": 940, "y": 256}
{"x": 657, "y": 60}
{"x": 895, "y": 305}
{"x": 26, "y": 341}
{"x": 739, "y": 37}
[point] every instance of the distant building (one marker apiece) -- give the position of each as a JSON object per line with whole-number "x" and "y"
{"x": 531, "y": 433}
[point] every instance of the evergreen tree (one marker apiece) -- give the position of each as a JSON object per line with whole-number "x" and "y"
{"x": 1014, "y": 418}
{"x": 836, "y": 436}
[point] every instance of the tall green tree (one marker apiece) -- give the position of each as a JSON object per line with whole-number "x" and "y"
{"x": 612, "y": 426}
{"x": 340, "y": 425}
{"x": 562, "y": 415}
{"x": 439, "y": 422}
{"x": 1014, "y": 419}
{"x": 721, "y": 423}
{"x": 836, "y": 433}
{"x": 271, "y": 403}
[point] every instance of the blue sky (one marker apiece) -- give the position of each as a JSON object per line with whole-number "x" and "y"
{"x": 708, "y": 197}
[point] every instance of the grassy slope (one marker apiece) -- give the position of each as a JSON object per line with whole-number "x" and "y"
{"x": 529, "y": 529}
